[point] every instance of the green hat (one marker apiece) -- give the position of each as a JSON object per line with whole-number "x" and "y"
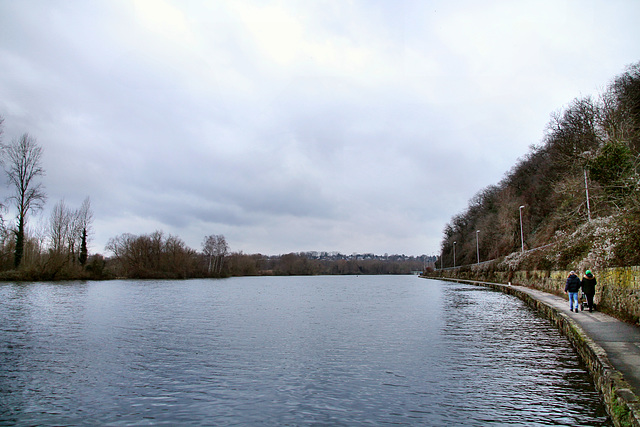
{"x": 588, "y": 272}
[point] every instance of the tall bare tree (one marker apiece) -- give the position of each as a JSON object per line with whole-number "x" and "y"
{"x": 208, "y": 248}
{"x": 59, "y": 227}
{"x": 23, "y": 165}
{"x": 221, "y": 250}
{"x": 69, "y": 230}
{"x": 215, "y": 247}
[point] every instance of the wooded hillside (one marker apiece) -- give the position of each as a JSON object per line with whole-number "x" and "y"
{"x": 591, "y": 148}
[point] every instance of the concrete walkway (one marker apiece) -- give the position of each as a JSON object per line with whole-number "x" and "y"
{"x": 620, "y": 341}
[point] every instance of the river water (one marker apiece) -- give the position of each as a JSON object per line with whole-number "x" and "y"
{"x": 331, "y": 350}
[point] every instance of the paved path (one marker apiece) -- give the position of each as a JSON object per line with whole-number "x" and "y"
{"x": 620, "y": 340}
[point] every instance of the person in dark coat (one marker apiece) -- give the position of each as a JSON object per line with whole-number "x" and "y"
{"x": 572, "y": 287}
{"x": 588, "y": 286}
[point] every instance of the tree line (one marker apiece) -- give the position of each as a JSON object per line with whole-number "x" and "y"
{"x": 577, "y": 191}
{"x": 157, "y": 255}
{"x": 58, "y": 250}
{"x": 161, "y": 256}
{"x": 309, "y": 263}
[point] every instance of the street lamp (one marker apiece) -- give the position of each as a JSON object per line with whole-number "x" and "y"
{"x": 521, "y": 232}
{"x": 478, "y": 246}
{"x": 454, "y": 254}
{"x": 586, "y": 186}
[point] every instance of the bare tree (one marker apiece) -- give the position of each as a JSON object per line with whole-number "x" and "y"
{"x": 69, "y": 230}
{"x": 208, "y": 248}
{"x": 221, "y": 250}
{"x": 215, "y": 248}
{"x": 59, "y": 227}
{"x": 23, "y": 162}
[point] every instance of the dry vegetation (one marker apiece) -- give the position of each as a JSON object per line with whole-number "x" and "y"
{"x": 594, "y": 145}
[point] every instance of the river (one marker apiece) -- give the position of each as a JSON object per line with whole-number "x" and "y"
{"x": 331, "y": 350}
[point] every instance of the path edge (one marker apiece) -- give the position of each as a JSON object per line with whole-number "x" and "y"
{"x": 620, "y": 401}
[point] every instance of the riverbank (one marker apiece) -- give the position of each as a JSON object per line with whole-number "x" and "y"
{"x": 609, "y": 347}
{"x": 617, "y": 293}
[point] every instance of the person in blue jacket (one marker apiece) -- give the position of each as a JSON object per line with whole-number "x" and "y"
{"x": 572, "y": 287}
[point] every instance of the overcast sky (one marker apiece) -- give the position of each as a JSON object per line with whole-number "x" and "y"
{"x": 351, "y": 126}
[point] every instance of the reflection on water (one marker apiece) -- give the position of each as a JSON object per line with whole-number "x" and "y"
{"x": 329, "y": 350}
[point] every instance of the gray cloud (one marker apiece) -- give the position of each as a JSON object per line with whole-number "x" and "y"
{"x": 349, "y": 126}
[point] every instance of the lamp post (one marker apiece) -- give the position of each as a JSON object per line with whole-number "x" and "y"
{"x": 586, "y": 187}
{"x": 454, "y": 254}
{"x": 521, "y": 232}
{"x": 478, "y": 245}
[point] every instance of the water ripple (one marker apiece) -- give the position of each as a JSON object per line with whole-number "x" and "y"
{"x": 316, "y": 350}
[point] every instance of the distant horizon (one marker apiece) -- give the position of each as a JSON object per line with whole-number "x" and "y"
{"x": 330, "y": 253}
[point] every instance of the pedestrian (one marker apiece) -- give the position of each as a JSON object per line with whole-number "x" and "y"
{"x": 588, "y": 286}
{"x": 572, "y": 287}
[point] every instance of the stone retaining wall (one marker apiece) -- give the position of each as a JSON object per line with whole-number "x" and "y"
{"x": 618, "y": 290}
{"x": 622, "y": 404}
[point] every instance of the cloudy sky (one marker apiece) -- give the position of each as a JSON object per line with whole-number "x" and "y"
{"x": 351, "y": 126}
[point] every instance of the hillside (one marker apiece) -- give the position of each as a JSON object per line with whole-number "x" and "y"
{"x": 575, "y": 197}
